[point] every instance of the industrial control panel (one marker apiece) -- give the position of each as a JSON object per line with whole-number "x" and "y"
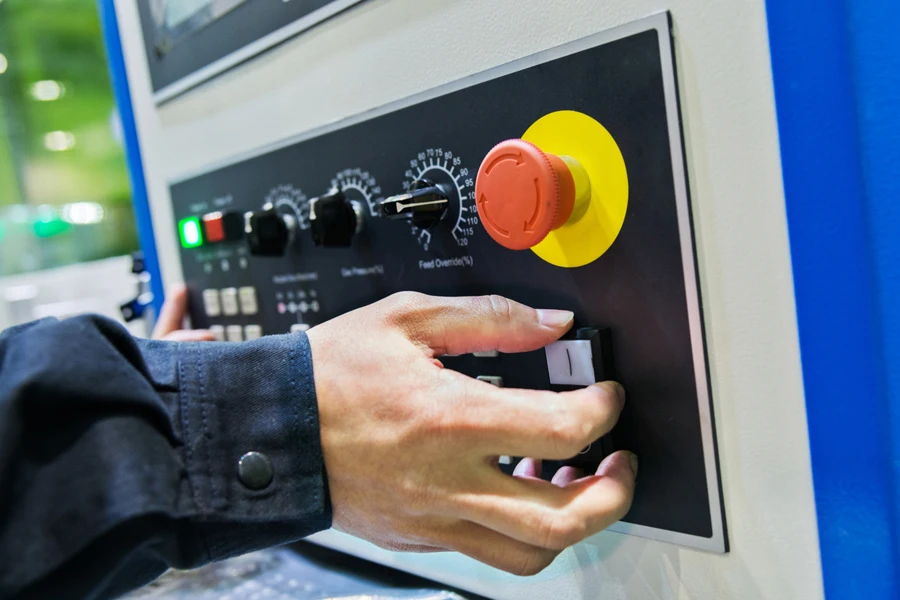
{"x": 557, "y": 180}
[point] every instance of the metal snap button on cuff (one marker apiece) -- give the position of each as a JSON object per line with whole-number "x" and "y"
{"x": 255, "y": 470}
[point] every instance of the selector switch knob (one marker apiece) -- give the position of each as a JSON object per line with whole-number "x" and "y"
{"x": 424, "y": 205}
{"x": 334, "y": 220}
{"x": 268, "y": 232}
{"x": 523, "y": 193}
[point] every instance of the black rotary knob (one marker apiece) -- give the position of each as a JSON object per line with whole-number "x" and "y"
{"x": 334, "y": 220}
{"x": 424, "y": 205}
{"x": 268, "y": 232}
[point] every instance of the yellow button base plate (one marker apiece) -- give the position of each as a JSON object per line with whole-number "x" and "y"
{"x": 575, "y": 134}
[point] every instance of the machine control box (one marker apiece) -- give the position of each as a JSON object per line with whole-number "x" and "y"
{"x": 557, "y": 180}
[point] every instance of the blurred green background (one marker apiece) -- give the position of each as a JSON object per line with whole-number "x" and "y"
{"x": 64, "y": 194}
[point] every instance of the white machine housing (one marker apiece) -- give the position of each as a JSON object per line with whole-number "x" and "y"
{"x": 385, "y": 50}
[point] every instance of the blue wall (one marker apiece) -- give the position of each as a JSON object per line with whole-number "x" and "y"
{"x": 836, "y": 66}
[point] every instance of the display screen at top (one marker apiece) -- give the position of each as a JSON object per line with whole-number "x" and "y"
{"x": 189, "y": 41}
{"x": 176, "y": 19}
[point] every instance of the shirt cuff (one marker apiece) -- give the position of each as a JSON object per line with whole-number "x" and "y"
{"x": 252, "y": 397}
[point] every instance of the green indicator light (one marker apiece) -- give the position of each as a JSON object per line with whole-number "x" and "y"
{"x": 47, "y": 228}
{"x": 189, "y": 230}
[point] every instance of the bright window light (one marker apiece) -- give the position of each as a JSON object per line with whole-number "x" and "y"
{"x": 82, "y": 213}
{"x": 59, "y": 141}
{"x": 47, "y": 90}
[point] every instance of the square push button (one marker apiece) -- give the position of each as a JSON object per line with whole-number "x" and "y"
{"x": 234, "y": 333}
{"x": 213, "y": 227}
{"x": 582, "y": 361}
{"x": 247, "y": 299}
{"x": 229, "y": 301}
{"x": 252, "y": 332}
{"x": 211, "y": 303}
{"x": 570, "y": 362}
{"x": 223, "y": 227}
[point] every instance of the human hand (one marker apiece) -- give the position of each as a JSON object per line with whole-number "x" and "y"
{"x": 411, "y": 448}
{"x": 171, "y": 319}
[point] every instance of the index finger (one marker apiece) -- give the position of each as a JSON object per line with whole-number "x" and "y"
{"x": 448, "y": 325}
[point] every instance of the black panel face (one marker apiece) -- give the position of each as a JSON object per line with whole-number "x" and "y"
{"x": 638, "y": 289}
{"x": 181, "y": 38}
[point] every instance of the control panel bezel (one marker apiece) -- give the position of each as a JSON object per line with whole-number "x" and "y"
{"x": 660, "y": 24}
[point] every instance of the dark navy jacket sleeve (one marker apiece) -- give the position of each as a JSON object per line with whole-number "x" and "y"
{"x": 119, "y": 456}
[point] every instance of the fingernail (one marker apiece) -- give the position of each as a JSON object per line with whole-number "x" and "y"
{"x": 633, "y": 462}
{"x": 555, "y": 318}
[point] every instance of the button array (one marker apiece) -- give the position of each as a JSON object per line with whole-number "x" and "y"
{"x": 230, "y": 301}
{"x": 302, "y": 307}
{"x": 233, "y": 301}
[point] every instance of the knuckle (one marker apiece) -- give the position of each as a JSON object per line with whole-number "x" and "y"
{"x": 413, "y": 494}
{"x": 500, "y": 307}
{"x": 559, "y": 530}
{"x": 595, "y": 414}
{"x": 402, "y": 303}
{"x": 406, "y": 311}
{"x": 569, "y": 433}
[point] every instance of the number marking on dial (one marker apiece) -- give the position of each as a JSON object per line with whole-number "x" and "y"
{"x": 287, "y": 198}
{"x": 444, "y": 167}
{"x": 363, "y": 183}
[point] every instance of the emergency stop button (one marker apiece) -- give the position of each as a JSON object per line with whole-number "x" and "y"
{"x": 561, "y": 190}
{"x": 523, "y": 193}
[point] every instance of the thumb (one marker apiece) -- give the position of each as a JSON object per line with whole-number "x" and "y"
{"x": 483, "y": 323}
{"x": 173, "y": 311}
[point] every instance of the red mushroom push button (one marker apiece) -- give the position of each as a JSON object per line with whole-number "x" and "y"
{"x": 523, "y": 193}
{"x": 561, "y": 190}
